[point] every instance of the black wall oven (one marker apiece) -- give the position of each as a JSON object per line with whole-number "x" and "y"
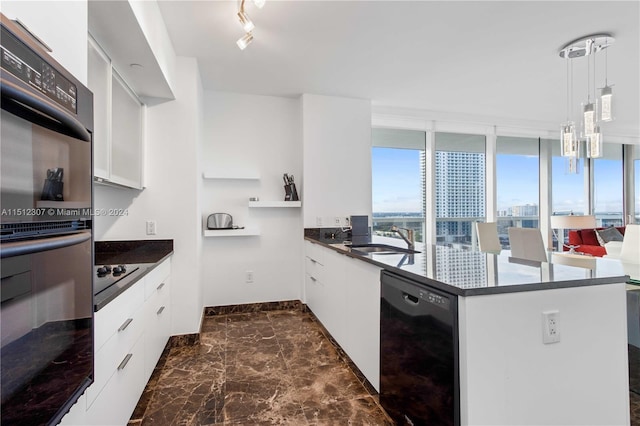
{"x": 46, "y": 242}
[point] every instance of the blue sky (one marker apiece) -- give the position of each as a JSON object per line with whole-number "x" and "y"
{"x": 397, "y": 183}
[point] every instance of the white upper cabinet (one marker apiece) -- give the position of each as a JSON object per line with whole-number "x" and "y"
{"x": 118, "y": 124}
{"x": 100, "y": 83}
{"x": 126, "y": 135}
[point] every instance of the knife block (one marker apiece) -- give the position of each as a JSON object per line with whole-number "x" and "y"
{"x": 290, "y": 192}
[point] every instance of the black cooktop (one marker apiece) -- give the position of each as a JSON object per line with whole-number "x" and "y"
{"x": 107, "y": 275}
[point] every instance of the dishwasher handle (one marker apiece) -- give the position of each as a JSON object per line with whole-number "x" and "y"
{"x": 410, "y": 299}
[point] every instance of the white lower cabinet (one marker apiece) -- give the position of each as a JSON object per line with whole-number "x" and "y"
{"x": 130, "y": 334}
{"x": 363, "y": 318}
{"x": 346, "y": 300}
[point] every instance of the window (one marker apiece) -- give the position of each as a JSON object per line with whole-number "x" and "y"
{"x": 636, "y": 183}
{"x": 567, "y": 190}
{"x": 397, "y": 162}
{"x": 460, "y": 186}
{"x": 607, "y": 187}
{"x": 517, "y": 184}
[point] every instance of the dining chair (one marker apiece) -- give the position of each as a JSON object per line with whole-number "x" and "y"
{"x": 488, "y": 240}
{"x": 630, "y": 251}
{"x": 526, "y": 243}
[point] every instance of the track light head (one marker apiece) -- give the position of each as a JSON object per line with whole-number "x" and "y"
{"x": 245, "y": 41}
{"x": 247, "y": 24}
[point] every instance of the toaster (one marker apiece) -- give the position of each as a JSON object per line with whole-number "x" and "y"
{"x": 220, "y": 221}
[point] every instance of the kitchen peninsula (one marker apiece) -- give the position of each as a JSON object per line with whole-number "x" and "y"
{"x": 505, "y": 373}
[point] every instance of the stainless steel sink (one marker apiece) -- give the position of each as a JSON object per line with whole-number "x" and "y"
{"x": 381, "y": 249}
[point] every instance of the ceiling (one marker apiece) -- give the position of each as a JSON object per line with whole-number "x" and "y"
{"x": 486, "y": 58}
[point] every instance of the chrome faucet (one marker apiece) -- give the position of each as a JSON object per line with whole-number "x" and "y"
{"x": 408, "y": 239}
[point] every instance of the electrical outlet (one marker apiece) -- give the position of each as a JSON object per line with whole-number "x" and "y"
{"x": 550, "y": 327}
{"x": 336, "y": 221}
{"x": 249, "y": 277}
{"x": 318, "y": 221}
{"x": 151, "y": 227}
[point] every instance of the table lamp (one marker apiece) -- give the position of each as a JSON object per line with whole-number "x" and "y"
{"x": 571, "y": 221}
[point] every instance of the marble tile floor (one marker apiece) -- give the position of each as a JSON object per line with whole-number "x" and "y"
{"x": 262, "y": 368}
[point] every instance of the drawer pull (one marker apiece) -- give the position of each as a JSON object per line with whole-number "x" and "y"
{"x": 160, "y": 286}
{"x": 160, "y": 310}
{"x": 125, "y": 324}
{"x": 313, "y": 260}
{"x": 313, "y": 279}
{"x": 125, "y": 361}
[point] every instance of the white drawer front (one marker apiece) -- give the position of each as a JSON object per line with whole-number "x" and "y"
{"x": 314, "y": 268}
{"x": 158, "y": 329}
{"x": 315, "y": 252}
{"x": 110, "y": 318}
{"x": 119, "y": 397}
{"x": 154, "y": 280}
{"x": 108, "y": 358}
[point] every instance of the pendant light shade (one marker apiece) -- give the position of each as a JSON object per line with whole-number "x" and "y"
{"x": 569, "y": 146}
{"x": 594, "y": 144}
{"x": 606, "y": 98}
{"x": 589, "y": 118}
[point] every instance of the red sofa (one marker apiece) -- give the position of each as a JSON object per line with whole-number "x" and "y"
{"x": 588, "y": 242}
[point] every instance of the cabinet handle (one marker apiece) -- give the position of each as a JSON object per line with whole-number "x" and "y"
{"x": 125, "y": 324}
{"x": 125, "y": 361}
{"x": 313, "y": 279}
{"x": 160, "y": 310}
{"x": 313, "y": 260}
{"x": 160, "y": 286}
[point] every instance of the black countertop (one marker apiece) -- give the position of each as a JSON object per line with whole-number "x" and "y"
{"x": 141, "y": 254}
{"x": 467, "y": 272}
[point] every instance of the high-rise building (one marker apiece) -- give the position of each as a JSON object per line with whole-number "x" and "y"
{"x": 460, "y": 193}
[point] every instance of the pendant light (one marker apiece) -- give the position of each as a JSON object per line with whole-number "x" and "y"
{"x": 606, "y": 93}
{"x": 591, "y": 112}
{"x": 569, "y": 145}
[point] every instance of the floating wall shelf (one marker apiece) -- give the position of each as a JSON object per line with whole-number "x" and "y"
{"x": 230, "y": 176}
{"x": 247, "y": 232}
{"x": 265, "y": 204}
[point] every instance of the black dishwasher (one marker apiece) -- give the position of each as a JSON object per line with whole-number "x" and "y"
{"x": 419, "y": 383}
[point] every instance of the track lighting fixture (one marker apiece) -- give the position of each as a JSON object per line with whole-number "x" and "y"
{"x": 247, "y": 24}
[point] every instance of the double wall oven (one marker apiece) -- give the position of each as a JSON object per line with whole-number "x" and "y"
{"x": 46, "y": 243}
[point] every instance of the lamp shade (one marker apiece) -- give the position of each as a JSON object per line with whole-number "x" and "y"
{"x": 573, "y": 222}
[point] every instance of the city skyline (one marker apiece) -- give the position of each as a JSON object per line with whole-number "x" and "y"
{"x": 397, "y": 183}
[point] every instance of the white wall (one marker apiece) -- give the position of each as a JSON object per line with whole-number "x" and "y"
{"x": 336, "y": 158}
{"x": 62, "y": 25}
{"x": 509, "y": 377}
{"x": 256, "y": 135}
{"x": 171, "y": 196}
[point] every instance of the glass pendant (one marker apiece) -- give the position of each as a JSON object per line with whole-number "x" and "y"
{"x": 569, "y": 147}
{"x": 589, "y": 118}
{"x": 594, "y": 144}
{"x": 606, "y": 96}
